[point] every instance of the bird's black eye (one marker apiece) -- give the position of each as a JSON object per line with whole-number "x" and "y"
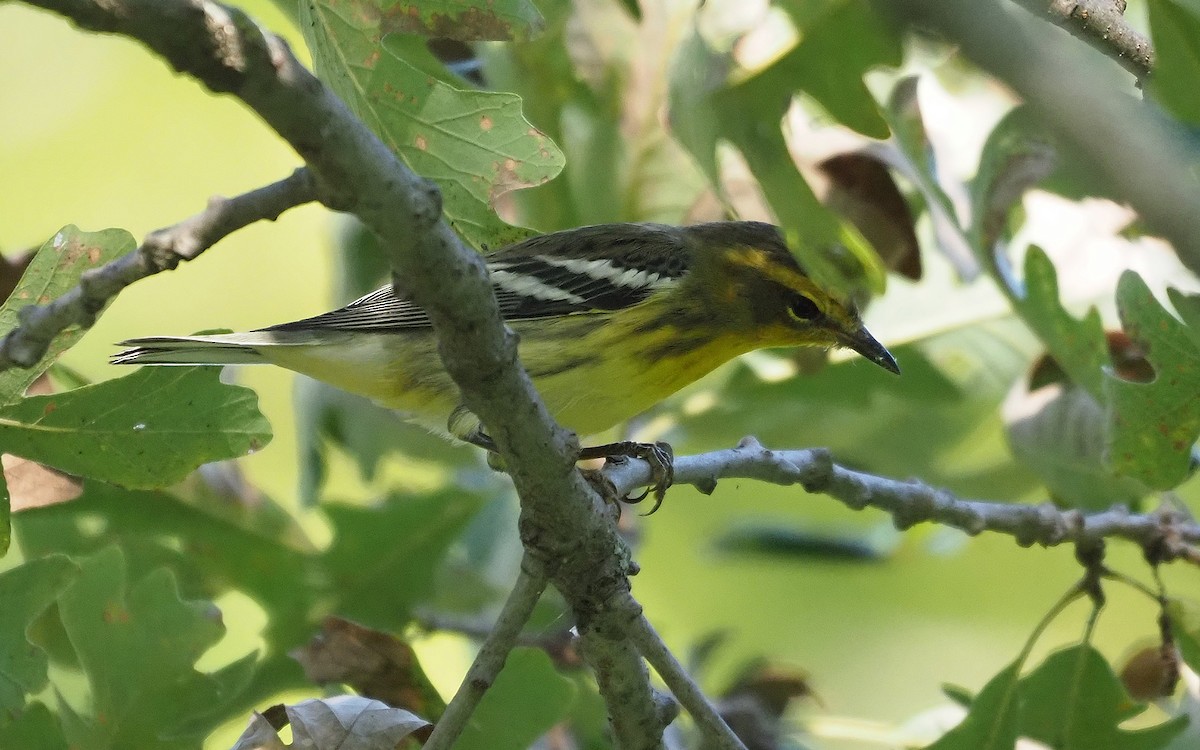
{"x": 802, "y": 308}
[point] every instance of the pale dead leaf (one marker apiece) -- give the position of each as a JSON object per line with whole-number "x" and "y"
{"x": 259, "y": 735}
{"x": 32, "y": 485}
{"x": 344, "y": 722}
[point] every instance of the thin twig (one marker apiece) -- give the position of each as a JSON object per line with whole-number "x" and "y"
{"x": 912, "y": 502}
{"x": 1102, "y": 24}
{"x": 162, "y": 250}
{"x": 686, "y": 691}
{"x": 531, "y": 582}
{"x": 638, "y": 713}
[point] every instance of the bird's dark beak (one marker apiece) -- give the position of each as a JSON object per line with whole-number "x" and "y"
{"x": 865, "y": 344}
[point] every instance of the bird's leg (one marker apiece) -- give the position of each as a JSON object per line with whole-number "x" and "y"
{"x": 481, "y": 439}
{"x": 660, "y": 456}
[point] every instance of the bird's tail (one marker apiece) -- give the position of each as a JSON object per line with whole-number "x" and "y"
{"x": 216, "y": 349}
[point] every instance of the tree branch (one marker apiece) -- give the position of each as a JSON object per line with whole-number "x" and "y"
{"x": 1143, "y": 157}
{"x": 531, "y": 582}
{"x": 1102, "y": 24}
{"x": 564, "y": 523}
{"x": 912, "y": 502}
{"x": 686, "y": 690}
{"x": 641, "y": 712}
{"x": 162, "y": 250}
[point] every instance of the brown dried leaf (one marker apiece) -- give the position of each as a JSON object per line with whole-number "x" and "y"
{"x": 860, "y": 188}
{"x": 376, "y": 664}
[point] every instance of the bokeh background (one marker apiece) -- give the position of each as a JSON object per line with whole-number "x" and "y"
{"x": 96, "y": 132}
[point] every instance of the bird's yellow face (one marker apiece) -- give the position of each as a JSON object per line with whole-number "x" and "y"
{"x": 786, "y": 308}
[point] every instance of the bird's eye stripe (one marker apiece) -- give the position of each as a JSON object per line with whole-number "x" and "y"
{"x": 531, "y": 286}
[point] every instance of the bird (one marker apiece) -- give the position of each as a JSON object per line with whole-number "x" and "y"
{"x": 611, "y": 319}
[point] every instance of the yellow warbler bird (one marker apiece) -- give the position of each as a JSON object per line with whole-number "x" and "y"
{"x": 612, "y": 319}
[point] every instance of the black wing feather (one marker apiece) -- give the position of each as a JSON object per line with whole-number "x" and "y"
{"x": 656, "y": 249}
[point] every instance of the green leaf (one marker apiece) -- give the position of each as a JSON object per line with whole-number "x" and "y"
{"x": 835, "y": 51}
{"x": 1074, "y": 701}
{"x": 365, "y": 431}
{"x": 1077, "y": 345}
{"x": 528, "y": 697}
{"x": 33, "y": 727}
{"x": 705, "y": 110}
{"x": 1185, "y": 620}
{"x": 475, "y": 144}
{"x": 26, "y": 591}
{"x": 5, "y": 516}
{"x": 1154, "y": 425}
{"x": 1175, "y": 30}
{"x": 991, "y": 722}
{"x": 147, "y": 429}
{"x": 1064, "y": 442}
{"x": 138, "y": 644}
{"x": 558, "y": 101}
{"x": 465, "y": 20}
{"x": 212, "y": 546}
{"x": 383, "y": 560}
{"x": 56, "y": 268}
{"x": 1016, "y": 156}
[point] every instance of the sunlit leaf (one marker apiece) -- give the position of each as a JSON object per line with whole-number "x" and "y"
{"x": 836, "y": 49}
{"x": 56, "y": 268}
{"x": 147, "y": 429}
{"x": 706, "y": 109}
{"x": 475, "y": 144}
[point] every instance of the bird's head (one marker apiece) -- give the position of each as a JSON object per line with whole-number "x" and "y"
{"x": 764, "y": 292}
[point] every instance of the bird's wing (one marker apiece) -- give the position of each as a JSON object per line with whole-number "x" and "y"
{"x": 546, "y": 277}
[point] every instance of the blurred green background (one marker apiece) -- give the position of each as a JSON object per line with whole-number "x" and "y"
{"x": 97, "y": 132}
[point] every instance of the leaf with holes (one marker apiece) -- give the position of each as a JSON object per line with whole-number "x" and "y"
{"x": 1076, "y": 344}
{"x": 1154, "y": 425}
{"x": 476, "y": 145}
{"x": 55, "y": 269}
